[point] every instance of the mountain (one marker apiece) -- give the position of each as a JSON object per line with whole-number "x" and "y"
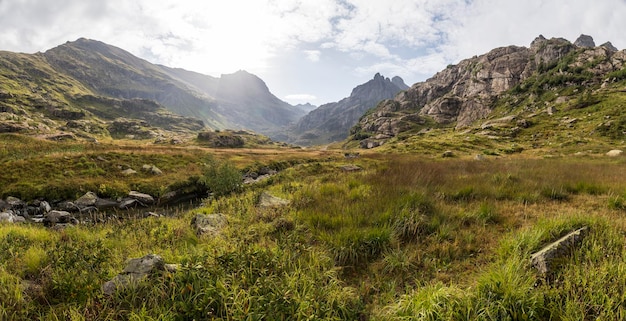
{"x": 308, "y": 107}
{"x": 90, "y": 81}
{"x": 511, "y": 86}
{"x": 332, "y": 122}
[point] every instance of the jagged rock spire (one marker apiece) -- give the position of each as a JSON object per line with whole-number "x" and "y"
{"x": 584, "y": 41}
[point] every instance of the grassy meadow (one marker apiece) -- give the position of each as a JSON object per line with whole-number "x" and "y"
{"x": 407, "y": 237}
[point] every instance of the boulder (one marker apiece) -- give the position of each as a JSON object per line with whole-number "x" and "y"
{"x": 479, "y": 157}
{"x": 151, "y": 169}
{"x": 15, "y": 203}
{"x": 8, "y": 217}
{"x": 614, "y": 153}
{"x": 89, "y": 199}
{"x": 128, "y": 172}
{"x": 268, "y": 200}
{"x": 45, "y": 207}
{"x": 447, "y": 153}
{"x": 544, "y": 260}
{"x": 135, "y": 271}
{"x": 143, "y": 198}
{"x": 53, "y": 218}
{"x": 209, "y": 224}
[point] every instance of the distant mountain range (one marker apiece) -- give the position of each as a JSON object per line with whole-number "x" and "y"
{"x": 91, "y": 83}
{"x": 332, "y": 122}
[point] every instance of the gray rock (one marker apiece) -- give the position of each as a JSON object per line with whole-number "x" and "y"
{"x": 608, "y": 45}
{"x": 544, "y": 260}
{"x": 143, "y": 198}
{"x": 447, "y": 153}
{"x": 8, "y": 217}
{"x": 209, "y": 224}
{"x": 479, "y": 157}
{"x": 15, "y": 202}
{"x": 614, "y": 153}
{"x": 129, "y": 171}
{"x": 135, "y": 271}
{"x": 103, "y": 203}
{"x": 130, "y": 203}
{"x": 53, "y": 218}
{"x": 89, "y": 199}
{"x": 268, "y": 200}
{"x": 45, "y": 207}
{"x": 584, "y": 41}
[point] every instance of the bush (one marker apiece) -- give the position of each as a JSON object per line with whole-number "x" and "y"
{"x": 221, "y": 178}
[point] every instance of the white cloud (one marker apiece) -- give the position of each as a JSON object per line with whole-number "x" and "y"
{"x": 411, "y": 38}
{"x": 312, "y": 55}
{"x": 300, "y": 98}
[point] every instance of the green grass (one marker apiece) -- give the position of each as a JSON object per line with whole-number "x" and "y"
{"x": 406, "y": 238}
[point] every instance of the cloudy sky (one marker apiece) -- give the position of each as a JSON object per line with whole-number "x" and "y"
{"x": 308, "y": 50}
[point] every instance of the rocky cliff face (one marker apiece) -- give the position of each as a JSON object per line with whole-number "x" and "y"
{"x": 463, "y": 93}
{"x": 332, "y": 122}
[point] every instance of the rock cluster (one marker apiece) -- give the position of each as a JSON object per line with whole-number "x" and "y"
{"x": 67, "y": 213}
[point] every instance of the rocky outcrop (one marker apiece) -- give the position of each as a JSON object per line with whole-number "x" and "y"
{"x": 332, "y": 122}
{"x": 221, "y": 139}
{"x": 464, "y": 93}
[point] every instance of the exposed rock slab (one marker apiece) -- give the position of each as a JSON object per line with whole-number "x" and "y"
{"x": 543, "y": 260}
{"x": 269, "y": 200}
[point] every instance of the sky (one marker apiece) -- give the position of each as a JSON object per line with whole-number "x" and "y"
{"x": 308, "y": 50}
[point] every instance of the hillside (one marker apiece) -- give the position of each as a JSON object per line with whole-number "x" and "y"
{"x": 93, "y": 84}
{"x": 549, "y": 94}
{"x": 332, "y": 122}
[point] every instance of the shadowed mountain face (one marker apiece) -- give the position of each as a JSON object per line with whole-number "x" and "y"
{"x": 100, "y": 77}
{"x": 332, "y": 122}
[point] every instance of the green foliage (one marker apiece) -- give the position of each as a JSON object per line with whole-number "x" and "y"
{"x": 221, "y": 178}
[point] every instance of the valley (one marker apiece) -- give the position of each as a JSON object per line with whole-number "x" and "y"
{"x": 426, "y": 205}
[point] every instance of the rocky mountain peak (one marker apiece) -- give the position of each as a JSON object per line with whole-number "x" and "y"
{"x": 608, "y": 45}
{"x": 584, "y": 41}
{"x": 399, "y": 82}
{"x": 332, "y": 121}
{"x": 461, "y": 94}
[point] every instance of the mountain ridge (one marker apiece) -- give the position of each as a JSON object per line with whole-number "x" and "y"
{"x": 462, "y": 94}
{"x": 332, "y": 121}
{"x": 100, "y": 76}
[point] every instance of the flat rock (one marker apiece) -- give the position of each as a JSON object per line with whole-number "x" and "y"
{"x": 544, "y": 260}
{"x": 269, "y": 200}
{"x": 144, "y": 198}
{"x": 614, "y": 153}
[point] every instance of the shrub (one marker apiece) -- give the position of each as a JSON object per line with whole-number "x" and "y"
{"x": 221, "y": 178}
